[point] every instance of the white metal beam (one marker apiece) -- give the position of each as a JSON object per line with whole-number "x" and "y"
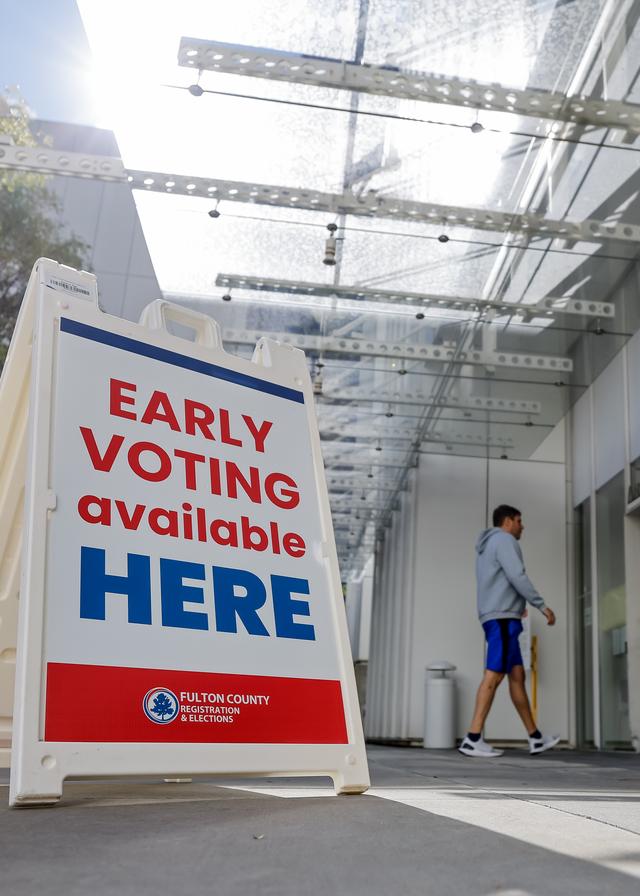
{"x": 45, "y": 160}
{"x": 365, "y": 449}
{"x": 331, "y": 463}
{"x": 388, "y": 80}
{"x": 355, "y": 485}
{"x": 391, "y": 349}
{"x": 371, "y": 205}
{"x": 548, "y": 306}
{"x": 395, "y": 396}
{"x": 393, "y": 435}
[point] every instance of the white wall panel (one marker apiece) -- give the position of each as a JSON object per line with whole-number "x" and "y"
{"x": 409, "y": 605}
{"x": 552, "y": 448}
{"x": 140, "y": 260}
{"x": 538, "y": 491}
{"x": 111, "y": 292}
{"x": 373, "y": 671}
{"x": 581, "y": 448}
{"x": 139, "y": 292}
{"x": 114, "y": 233}
{"x": 608, "y": 421}
{"x": 364, "y": 636}
{"x": 432, "y": 615}
{"x": 450, "y": 514}
{"x": 353, "y": 608}
{"x": 80, "y": 211}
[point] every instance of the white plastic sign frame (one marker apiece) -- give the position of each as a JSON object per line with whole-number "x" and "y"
{"x": 213, "y": 688}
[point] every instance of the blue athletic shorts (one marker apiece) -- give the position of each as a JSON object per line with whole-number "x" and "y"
{"x": 503, "y": 647}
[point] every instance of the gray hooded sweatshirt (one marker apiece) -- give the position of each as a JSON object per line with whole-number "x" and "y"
{"x": 503, "y": 585}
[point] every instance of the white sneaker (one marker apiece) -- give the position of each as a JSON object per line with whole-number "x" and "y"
{"x": 540, "y": 744}
{"x": 479, "y": 749}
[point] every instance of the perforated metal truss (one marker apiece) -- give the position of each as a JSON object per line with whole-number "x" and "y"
{"x": 331, "y": 463}
{"x": 397, "y": 434}
{"x": 450, "y": 437}
{"x": 372, "y": 205}
{"x": 44, "y": 160}
{"x": 548, "y": 306}
{"x": 350, "y": 485}
{"x": 388, "y": 80}
{"x": 366, "y": 347}
{"x": 415, "y": 396}
{"x": 73, "y": 164}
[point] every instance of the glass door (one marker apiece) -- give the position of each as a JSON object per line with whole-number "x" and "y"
{"x": 612, "y": 615}
{"x": 584, "y": 626}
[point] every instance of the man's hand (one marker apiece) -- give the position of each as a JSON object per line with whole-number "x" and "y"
{"x": 551, "y": 616}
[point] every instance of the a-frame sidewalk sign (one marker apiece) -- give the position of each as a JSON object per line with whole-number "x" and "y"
{"x": 181, "y": 610}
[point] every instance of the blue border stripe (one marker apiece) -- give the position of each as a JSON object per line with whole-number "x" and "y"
{"x": 169, "y": 357}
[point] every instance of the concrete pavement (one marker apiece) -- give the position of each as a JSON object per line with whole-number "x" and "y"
{"x": 433, "y": 823}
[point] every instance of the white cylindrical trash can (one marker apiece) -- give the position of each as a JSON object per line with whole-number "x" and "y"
{"x": 440, "y": 707}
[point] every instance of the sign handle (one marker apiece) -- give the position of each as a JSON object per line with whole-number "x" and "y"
{"x": 157, "y": 315}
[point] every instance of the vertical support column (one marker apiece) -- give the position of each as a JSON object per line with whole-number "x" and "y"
{"x": 387, "y": 684}
{"x": 571, "y": 583}
{"x": 376, "y": 658}
{"x": 372, "y": 669}
{"x": 364, "y": 635}
{"x": 409, "y": 607}
{"x": 399, "y": 610}
{"x": 595, "y": 627}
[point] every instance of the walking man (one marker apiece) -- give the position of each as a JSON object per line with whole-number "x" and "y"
{"x": 504, "y": 589}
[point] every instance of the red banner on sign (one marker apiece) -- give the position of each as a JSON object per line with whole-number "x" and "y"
{"x": 111, "y": 704}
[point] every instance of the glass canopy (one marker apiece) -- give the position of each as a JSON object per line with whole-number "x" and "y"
{"x": 472, "y": 362}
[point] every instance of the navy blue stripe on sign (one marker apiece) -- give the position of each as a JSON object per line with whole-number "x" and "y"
{"x": 169, "y": 357}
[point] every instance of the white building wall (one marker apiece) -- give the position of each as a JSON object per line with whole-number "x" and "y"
{"x": 451, "y": 512}
{"x": 582, "y": 472}
{"x": 605, "y": 426}
{"x": 538, "y": 490}
{"x": 104, "y": 216}
{"x": 608, "y": 421}
{"x": 436, "y": 606}
{"x": 364, "y": 634}
{"x": 353, "y": 608}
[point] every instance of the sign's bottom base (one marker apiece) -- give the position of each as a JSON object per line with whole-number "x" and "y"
{"x": 343, "y": 786}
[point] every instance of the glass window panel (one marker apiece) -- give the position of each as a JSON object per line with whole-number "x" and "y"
{"x": 584, "y": 626}
{"x": 513, "y": 42}
{"x": 612, "y": 614}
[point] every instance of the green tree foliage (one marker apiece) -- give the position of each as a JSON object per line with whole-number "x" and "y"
{"x": 30, "y": 224}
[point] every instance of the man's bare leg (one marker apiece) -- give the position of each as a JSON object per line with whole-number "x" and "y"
{"x": 484, "y": 699}
{"x": 519, "y": 698}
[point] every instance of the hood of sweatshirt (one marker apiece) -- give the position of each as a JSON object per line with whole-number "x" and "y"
{"x": 485, "y": 537}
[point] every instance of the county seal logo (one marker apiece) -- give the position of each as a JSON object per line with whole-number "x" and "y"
{"x": 161, "y": 705}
